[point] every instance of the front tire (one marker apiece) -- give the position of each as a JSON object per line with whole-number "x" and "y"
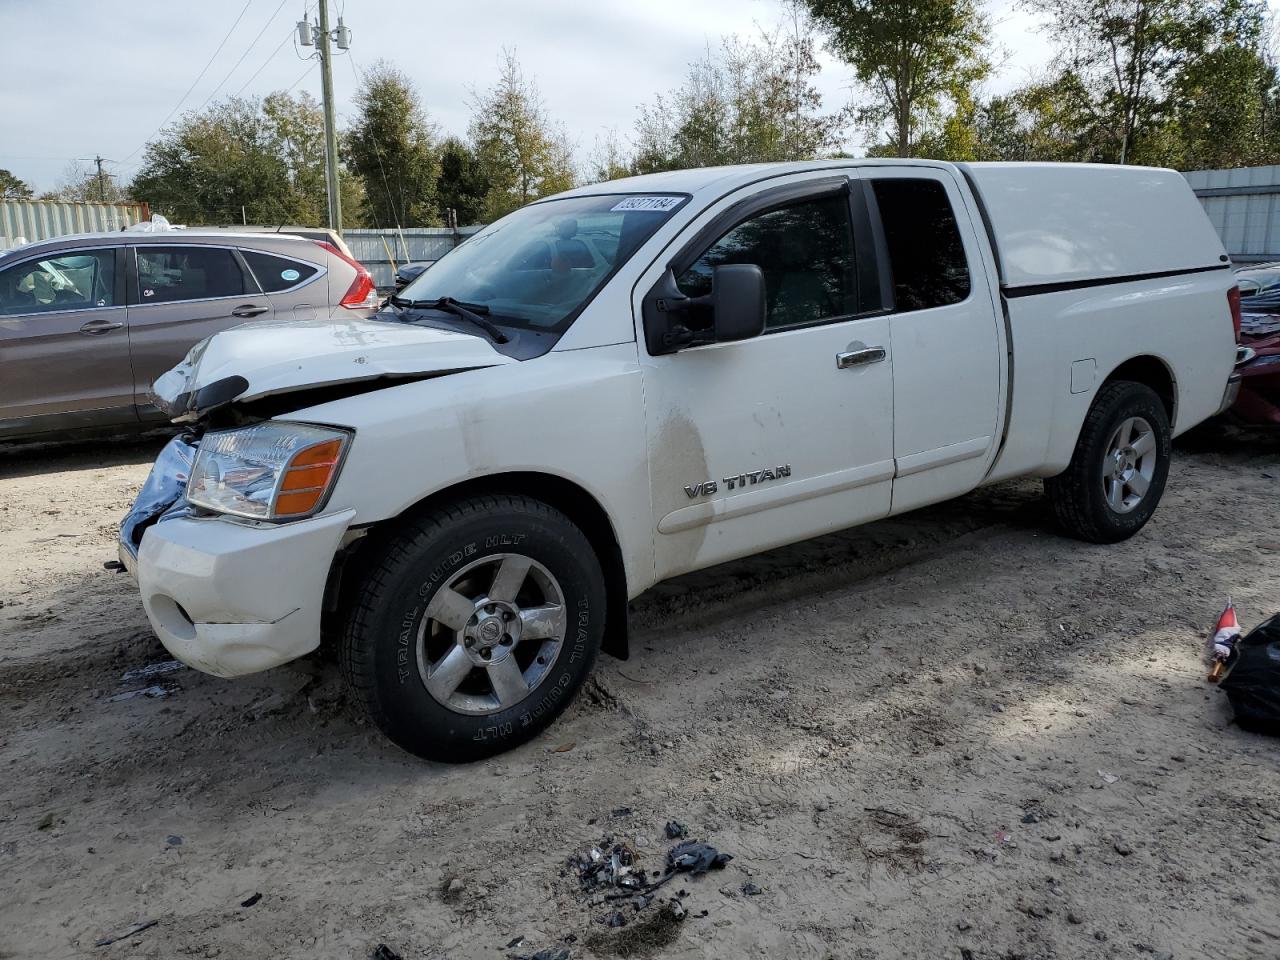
{"x": 475, "y": 627}
{"x": 1118, "y": 471}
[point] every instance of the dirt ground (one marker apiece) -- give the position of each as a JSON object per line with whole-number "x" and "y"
{"x": 949, "y": 735}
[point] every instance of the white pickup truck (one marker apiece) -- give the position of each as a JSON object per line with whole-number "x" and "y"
{"x": 641, "y": 378}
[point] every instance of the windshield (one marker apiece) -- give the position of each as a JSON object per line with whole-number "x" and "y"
{"x": 538, "y": 267}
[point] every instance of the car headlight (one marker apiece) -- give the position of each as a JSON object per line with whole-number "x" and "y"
{"x": 270, "y": 471}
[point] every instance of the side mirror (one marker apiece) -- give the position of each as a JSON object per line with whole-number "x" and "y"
{"x": 738, "y": 301}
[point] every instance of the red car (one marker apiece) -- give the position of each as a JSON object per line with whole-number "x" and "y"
{"x": 1259, "y": 363}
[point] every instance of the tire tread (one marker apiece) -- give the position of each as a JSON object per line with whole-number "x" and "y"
{"x": 1071, "y": 496}
{"x": 356, "y": 657}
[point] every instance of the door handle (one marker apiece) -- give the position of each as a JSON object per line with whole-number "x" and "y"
{"x": 248, "y": 310}
{"x": 95, "y": 327}
{"x": 857, "y": 358}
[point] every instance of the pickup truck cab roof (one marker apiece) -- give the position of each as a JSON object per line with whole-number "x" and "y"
{"x": 637, "y": 379}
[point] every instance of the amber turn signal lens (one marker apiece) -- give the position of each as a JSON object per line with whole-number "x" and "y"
{"x": 307, "y": 478}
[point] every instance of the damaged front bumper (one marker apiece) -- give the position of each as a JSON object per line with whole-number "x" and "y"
{"x": 224, "y": 596}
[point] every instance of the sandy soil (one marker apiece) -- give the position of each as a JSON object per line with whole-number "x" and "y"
{"x": 948, "y": 735}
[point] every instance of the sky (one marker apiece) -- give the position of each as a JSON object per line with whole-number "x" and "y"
{"x": 120, "y": 71}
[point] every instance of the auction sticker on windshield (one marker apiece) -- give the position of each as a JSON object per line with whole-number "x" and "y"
{"x": 660, "y": 204}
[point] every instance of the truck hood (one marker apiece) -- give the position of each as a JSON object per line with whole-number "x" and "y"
{"x": 272, "y": 357}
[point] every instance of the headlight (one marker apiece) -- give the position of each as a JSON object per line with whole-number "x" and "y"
{"x": 270, "y": 471}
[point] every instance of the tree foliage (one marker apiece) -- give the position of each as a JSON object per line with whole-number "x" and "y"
{"x": 521, "y": 153}
{"x": 13, "y": 187}
{"x": 913, "y": 57}
{"x": 1176, "y": 82}
{"x": 391, "y": 147}
{"x": 463, "y": 185}
{"x": 262, "y": 160}
{"x": 747, "y": 102}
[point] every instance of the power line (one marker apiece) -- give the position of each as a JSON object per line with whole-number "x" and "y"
{"x": 246, "y": 53}
{"x": 271, "y": 56}
{"x": 305, "y": 73}
{"x": 199, "y": 77}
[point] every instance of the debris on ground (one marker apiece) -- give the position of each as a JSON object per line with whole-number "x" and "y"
{"x": 608, "y": 864}
{"x": 551, "y": 953}
{"x": 1253, "y": 685}
{"x": 383, "y": 952}
{"x": 173, "y": 840}
{"x": 151, "y": 671}
{"x": 637, "y": 919}
{"x": 132, "y": 931}
{"x": 751, "y": 890}
{"x": 1107, "y": 777}
{"x": 675, "y": 830}
{"x": 696, "y": 858}
{"x": 250, "y": 901}
{"x": 1222, "y": 643}
{"x": 154, "y": 692}
{"x": 643, "y": 937}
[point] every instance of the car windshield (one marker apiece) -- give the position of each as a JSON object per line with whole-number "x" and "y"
{"x": 538, "y": 267}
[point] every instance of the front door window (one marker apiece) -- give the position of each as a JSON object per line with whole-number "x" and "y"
{"x": 81, "y": 280}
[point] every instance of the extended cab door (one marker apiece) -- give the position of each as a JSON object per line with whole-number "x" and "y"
{"x": 946, "y": 333}
{"x": 64, "y": 349}
{"x": 766, "y": 441}
{"x": 180, "y": 294}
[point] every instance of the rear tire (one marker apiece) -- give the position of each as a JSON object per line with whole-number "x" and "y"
{"x": 474, "y": 627}
{"x": 1118, "y": 471}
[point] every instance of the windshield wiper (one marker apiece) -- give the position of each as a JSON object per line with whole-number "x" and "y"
{"x": 471, "y": 312}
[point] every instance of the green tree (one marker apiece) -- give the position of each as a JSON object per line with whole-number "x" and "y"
{"x": 260, "y": 160}
{"x": 1052, "y": 119}
{"x": 1181, "y": 83}
{"x": 462, "y": 185}
{"x": 912, "y": 56}
{"x": 14, "y": 188}
{"x": 746, "y": 102}
{"x": 1222, "y": 105}
{"x": 390, "y": 146}
{"x": 521, "y": 153}
{"x": 609, "y": 160}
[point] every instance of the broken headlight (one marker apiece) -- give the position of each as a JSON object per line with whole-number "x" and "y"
{"x": 270, "y": 471}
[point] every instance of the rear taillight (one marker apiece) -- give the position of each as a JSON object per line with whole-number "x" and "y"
{"x": 1233, "y": 300}
{"x": 363, "y": 292}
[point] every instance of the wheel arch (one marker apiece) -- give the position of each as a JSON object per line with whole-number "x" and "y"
{"x": 575, "y": 502}
{"x": 1150, "y": 371}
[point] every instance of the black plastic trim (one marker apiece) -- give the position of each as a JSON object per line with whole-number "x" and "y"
{"x": 1034, "y": 289}
{"x": 884, "y": 267}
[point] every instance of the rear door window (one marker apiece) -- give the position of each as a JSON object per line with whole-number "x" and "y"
{"x": 169, "y": 274}
{"x": 926, "y": 253}
{"x": 278, "y": 273}
{"x": 80, "y": 280}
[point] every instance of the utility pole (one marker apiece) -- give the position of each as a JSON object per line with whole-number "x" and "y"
{"x": 321, "y": 37}
{"x": 102, "y": 177}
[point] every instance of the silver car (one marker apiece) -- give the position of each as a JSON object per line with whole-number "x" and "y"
{"x": 88, "y": 322}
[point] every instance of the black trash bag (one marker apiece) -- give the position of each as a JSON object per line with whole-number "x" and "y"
{"x": 1253, "y": 684}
